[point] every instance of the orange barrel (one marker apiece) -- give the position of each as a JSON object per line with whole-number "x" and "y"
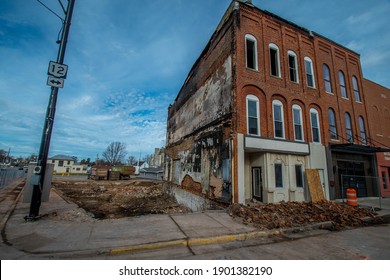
{"x": 351, "y": 197}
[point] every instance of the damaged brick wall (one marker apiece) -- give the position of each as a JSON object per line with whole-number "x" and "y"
{"x": 199, "y": 122}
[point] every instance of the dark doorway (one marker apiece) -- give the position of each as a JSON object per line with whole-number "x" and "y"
{"x": 257, "y": 184}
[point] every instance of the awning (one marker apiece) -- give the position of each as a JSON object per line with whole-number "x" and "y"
{"x": 357, "y": 149}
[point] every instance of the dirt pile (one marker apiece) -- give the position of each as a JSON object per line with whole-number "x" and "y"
{"x": 111, "y": 200}
{"x": 297, "y": 214}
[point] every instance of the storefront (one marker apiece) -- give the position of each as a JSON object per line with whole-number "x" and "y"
{"x": 355, "y": 166}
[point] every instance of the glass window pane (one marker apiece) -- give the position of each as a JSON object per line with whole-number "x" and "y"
{"x": 278, "y": 176}
{"x": 250, "y": 53}
{"x": 253, "y": 127}
{"x": 299, "y": 176}
{"x": 252, "y": 108}
{"x": 277, "y": 113}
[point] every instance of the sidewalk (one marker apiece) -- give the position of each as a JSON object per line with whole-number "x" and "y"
{"x": 65, "y": 229}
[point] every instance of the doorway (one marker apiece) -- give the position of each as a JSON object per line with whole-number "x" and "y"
{"x": 257, "y": 184}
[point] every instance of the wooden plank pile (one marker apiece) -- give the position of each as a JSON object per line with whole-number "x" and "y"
{"x": 296, "y": 214}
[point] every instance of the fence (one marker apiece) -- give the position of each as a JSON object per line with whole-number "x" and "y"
{"x": 9, "y": 175}
{"x": 367, "y": 189}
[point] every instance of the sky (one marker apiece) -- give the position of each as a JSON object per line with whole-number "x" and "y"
{"x": 127, "y": 61}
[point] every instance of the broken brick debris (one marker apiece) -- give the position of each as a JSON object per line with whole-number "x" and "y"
{"x": 298, "y": 214}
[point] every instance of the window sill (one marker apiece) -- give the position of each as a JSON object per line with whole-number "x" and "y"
{"x": 311, "y": 87}
{"x": 277, "y": 77}
{"x": 359, "y": 102}
{"x": 331, "y": 93}
{"x": 251, "y": 69}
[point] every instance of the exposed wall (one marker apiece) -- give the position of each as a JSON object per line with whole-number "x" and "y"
{"x": 199, "y": 122}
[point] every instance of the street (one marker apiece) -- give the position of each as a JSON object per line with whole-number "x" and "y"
{"x": 372, "y": 243}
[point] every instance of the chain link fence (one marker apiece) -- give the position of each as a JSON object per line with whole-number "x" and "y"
{"x": 367, "y": 189}
{"x": 9, "y": 175}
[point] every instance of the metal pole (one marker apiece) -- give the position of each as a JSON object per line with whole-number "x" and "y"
{"x": 49, "y": 121}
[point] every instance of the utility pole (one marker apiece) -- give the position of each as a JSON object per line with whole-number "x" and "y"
{"x": 40, "y": 169}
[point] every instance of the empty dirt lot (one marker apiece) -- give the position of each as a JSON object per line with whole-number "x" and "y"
{"x": 118, "y": 199}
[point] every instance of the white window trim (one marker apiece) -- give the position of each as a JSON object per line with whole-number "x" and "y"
{"x": 314, "y": 111}
{"x": 308, "y": 59}
{"x": 362, "y": 128}
{"x": 297, "y": 107}
{"x": 274, "y": 47}
{"x": 280, "y": 104}
{"x": 335, "y": 124}
{"x": 253, "y": 39}
{"x": 355, "y": 82}
{"x": 330, "y": 78}
{"x": 345, "y": 86}
{"x": 291, "y": 53}
{"x": 348, "y": 126}
{"x": 254, "y": 98}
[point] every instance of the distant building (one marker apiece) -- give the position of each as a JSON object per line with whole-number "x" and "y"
{"x": 139, "y": 166}
{"x": 158, "y": 157}
{"x": 155, "y": 173}
{"x": 66, "y": 164}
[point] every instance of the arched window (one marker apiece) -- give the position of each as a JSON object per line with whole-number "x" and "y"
{"x": 363, "y": 136}
{"x": 356, "y": 89}
{"x": 278, "y": 119}
{"x": 327, "y": 79}
{"x": 332, "y": 124}
{"x": 293, "y": 67}
{"x": 298, "y": 123}
{"x": 343, "y": 88}
{"x": 309, "y": 72}
{"x": 251, "y": 52}
{"x": 274, "y": 60}
{"x": 253, "y": 115}
{"x": 315, "y": 126}
{"x": 348, "y": 128}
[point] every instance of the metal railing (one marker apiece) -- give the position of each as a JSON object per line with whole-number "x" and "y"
{"x": 9, "y": 175}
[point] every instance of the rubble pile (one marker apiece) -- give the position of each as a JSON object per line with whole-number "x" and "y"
{"x": 297, "y": 214}
{"x": 111, "y": 200}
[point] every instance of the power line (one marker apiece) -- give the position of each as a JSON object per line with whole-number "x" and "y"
{"x": 51, "y": 10}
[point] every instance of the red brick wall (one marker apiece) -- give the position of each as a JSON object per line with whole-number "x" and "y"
{"x": 268, "y": 29}
{"x": 378, "y": 100}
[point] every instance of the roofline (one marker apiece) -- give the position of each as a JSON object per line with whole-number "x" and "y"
{"x": 368, "y": 80}
{"x": 309, "y": 32}
{"x": 234, "y": 6}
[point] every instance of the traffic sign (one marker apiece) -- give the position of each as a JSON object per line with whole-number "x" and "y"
{"x": 55, "y": 82}
{"x": 57, "y": 70}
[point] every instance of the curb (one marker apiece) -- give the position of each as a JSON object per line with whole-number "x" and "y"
{"x": 217, "y": 239}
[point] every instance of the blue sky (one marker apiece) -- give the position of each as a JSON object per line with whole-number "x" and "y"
{"x": 128, "y": 59}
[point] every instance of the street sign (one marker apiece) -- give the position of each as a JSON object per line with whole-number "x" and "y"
{"x": 57, "y": 70}
{"x": 55, "y": 82}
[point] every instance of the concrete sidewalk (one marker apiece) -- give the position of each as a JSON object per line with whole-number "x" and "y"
{"x": 65, "y": 230}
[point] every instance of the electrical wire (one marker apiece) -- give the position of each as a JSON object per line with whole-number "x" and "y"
{"x": 63, "y": 20}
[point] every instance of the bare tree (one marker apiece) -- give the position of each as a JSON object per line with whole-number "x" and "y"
{"x": 132, "y": 160}
{"x": 115, "y": 153}
{"x": 148, "y": 159}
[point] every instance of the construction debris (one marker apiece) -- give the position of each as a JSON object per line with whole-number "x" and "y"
{"x": 299, "y": 214}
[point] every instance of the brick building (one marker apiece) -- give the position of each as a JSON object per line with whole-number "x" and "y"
{"x": 265, "y": 101}
{"x": 378, "y": 109}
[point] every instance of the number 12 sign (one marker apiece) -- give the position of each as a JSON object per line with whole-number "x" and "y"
{"x": 57, "y": 70}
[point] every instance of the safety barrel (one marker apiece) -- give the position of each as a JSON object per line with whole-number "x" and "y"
{"x": 352, "y": 197}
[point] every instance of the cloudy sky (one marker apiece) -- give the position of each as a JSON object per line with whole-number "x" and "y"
{"x": 128, "y": 59}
